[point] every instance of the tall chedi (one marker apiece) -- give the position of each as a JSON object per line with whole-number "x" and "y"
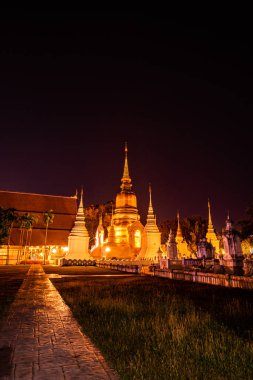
{"x": 126, "y": 211}
{"x": 211, "y": 235}
{"x": 78, "y": 240}
{"x": 182, "y": 248}
{"x": 151, "y": 236}
{"x": 126, "y": 242}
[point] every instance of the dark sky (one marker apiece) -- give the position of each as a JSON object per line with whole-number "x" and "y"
{"x": 75, "y": 87}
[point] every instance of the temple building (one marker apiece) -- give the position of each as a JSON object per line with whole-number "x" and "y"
{"x": 78, "y": 240}
{"x": 211, "y": 235}
{"x": 125, "y": 232}
{"x": 151, "y": 240}
{"x": 182, "y": 247}
{"x": 33, "y": 241}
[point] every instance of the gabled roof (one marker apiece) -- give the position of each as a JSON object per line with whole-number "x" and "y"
{"x": 30, "y": 202}
{"x": 64, "y": 210}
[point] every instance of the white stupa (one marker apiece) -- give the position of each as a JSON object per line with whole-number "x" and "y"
{"x": 78, "y": 240}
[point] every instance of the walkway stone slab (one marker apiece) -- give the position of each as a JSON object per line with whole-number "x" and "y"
{"x": 41, "y": 339}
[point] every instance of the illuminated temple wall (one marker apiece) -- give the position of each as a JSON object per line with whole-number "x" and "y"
{"x": 64, "y": 210}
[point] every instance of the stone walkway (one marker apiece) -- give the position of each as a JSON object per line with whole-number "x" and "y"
{"x": 41, "y": 339}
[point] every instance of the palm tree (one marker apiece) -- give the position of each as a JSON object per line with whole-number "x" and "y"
{"x": 7, "y": 219}
{"x": 30, "y": 220}
{"x": 11, "y": 218}
{"x": 48, "y": 219}
{"x": 22, "y": 225}
{"x": 34, "y": 220}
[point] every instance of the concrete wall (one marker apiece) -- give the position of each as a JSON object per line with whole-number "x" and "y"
{"x": 121, "y": 267}
{"x": 196, "y": 276}
{"x": 207, "y": 278}
{"x": 13, "y": 254}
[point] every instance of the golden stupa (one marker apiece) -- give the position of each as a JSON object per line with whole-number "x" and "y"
{"x": 211, "y": 236}
{"x": 182, "y": 247}
{"x": 125, "y": 232}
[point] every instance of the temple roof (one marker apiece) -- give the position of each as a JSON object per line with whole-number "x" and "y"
{"x": 64, "y": 210}
{"x": 31, "y": 202}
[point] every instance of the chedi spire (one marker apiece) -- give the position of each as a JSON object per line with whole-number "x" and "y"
{"x": 126, "y": 180}
{"x": 151, "y": 220}
{"x": 79, "y": 228}
{"x": 179, "y": 231}
{"x": 210, "y": 227}
{"x": 78, "y": 240}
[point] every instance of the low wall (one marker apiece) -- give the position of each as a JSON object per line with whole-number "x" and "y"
{"x": 13, "y": 254}
{"x": 69, "y": 262}
{"x": 121, "y": 267}
{"x": 227, "y": 280}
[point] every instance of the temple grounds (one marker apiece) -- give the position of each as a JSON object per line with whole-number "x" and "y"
{"x": 154, "y": 328}
{"x": 40, "y": 339}
{"x": 145, "y": 327}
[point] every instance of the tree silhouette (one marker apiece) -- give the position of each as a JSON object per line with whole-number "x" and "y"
{"x": 7, "y": 219}
{"x": 48, "y": 219}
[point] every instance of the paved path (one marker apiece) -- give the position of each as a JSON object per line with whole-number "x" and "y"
{"x": 41, "y": 339}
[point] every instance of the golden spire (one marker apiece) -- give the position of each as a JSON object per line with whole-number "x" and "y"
{"x": 126, "y": 180}
{"x": 100, "y": 223}
{"x": 210, "y": 227}
{"x": 81, "y": 199}
{"x": 150, "y": 197}
{"x": 151, "y": 219}
{"x": 179, "y": 231}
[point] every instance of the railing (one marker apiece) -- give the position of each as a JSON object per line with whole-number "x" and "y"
{"x": 226, "y": 280}
{"x": 69, "y": 262}
{"x": 130, "y": 268}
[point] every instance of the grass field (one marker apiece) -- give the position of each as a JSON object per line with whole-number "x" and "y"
{"x": 151, "y": 328}
{"x": 11, "y": 278}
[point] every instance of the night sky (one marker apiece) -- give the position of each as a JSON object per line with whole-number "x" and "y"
{"x": 75, "y": 87}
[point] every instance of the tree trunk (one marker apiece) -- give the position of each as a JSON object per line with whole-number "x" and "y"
{"x": 8, "y": 246}
{"x": 20, "y": 244}
{"x": 45, "y": 249}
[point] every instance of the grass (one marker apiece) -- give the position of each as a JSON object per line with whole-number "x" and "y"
{"x": 11, "y": 278}
{"x": 151, "y": 328}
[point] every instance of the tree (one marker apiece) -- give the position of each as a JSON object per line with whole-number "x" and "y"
{"x": 21, "y": 222}
{"x": 11, "y": 218}
{"x": 48, "y": 219}
{"x": 33, "y": 220}
{"x": 7, "y": 219}
{"x": 245, "y": 227}
{"x": 30, "y": 220}
{"x": 3, "y": 225}
{"x": 193, "y": 228}
{"x": 92, "y": 214}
